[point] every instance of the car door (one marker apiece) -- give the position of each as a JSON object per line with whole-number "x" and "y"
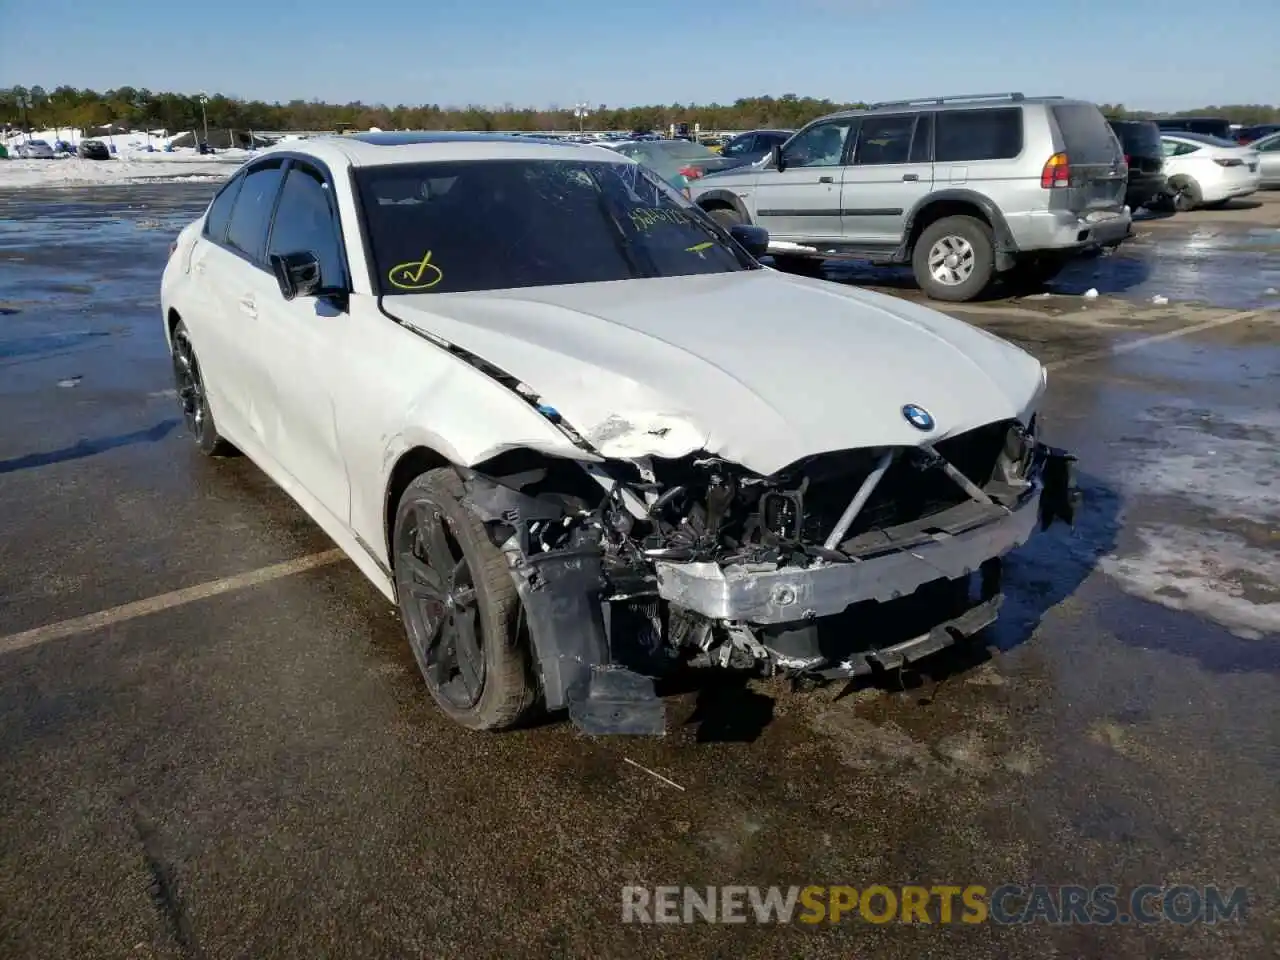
{"x": 234, "y": 270}
{"x": 303, "y": 339}
{"x": 892, "y": 169}
{"x": 202, "y": 310}
{"x": 802, "y": 200}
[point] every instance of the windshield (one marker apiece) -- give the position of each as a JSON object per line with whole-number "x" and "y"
{"x": 501, "y": 224}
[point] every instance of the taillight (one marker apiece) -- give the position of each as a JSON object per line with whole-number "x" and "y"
{"x": 1056, "y": 172}
{"x": 1228, "y": 161}
{"x": 691, "y": 173}
{"x": 1128, "y": 160}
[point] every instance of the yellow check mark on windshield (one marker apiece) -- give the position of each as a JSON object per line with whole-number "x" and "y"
{"x": 699, "y": 247}
{"x": 416, "y": 274}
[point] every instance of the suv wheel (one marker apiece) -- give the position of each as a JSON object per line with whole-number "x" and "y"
{"x": 725, "y": 217}
{"x": 953, "y": 259}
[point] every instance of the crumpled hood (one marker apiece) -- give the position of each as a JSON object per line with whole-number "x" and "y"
{"x": 759, "y": 368}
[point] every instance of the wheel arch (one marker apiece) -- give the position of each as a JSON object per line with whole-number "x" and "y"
{"x": 723, "y": 200}
{"x": 960, "y": 203}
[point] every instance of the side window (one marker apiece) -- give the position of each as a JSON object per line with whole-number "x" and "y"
{"x": 884, "y": 140}
{"x": 963, "y": 135}
{"x": 215, "y": 223}
{"x": 822, "y": 145}
{"x": 738, "y": 146}
{"x": 252, "y": 210}
{"x": 306, "y": 222}
{"x": 922, "y": 142}
{"x": 1271, "y": 146}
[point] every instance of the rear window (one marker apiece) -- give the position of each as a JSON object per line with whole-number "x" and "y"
{"x": 962, "y": 135}
{"x": 1086, "y": 136}
{"x": 1138, "y": 139}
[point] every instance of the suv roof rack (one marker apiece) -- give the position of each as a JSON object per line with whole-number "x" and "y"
{"x": 968, "y": 97}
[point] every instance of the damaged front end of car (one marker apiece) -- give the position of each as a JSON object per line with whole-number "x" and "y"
{"x": 841, "y": 564}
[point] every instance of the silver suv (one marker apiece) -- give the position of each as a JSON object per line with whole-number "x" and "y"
{"x": 962, "y": 188}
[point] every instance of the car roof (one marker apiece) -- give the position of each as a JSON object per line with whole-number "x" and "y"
{"x": 380, "y": 149}
{"x": 977, "y": 102}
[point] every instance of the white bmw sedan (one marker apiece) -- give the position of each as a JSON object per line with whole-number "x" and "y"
{"x": 580, "y": 435}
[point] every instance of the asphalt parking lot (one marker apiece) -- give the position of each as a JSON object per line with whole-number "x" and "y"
{"x": 244, "y": 762}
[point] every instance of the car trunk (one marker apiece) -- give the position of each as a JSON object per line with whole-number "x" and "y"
{"x": 1098, "y": 180}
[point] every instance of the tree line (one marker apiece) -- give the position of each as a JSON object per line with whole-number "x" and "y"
{"x": 142, "y": 109}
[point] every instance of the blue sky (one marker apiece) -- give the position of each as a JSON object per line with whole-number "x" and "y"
{"x": 1152, "y": 54}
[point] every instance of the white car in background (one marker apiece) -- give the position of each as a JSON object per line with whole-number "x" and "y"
{"x": 34, "y": 150}
{"x": 1206, "y": 171}
{"x": 579, "y": 434}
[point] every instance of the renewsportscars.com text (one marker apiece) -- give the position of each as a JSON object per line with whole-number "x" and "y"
{"x": 940, "y": 903}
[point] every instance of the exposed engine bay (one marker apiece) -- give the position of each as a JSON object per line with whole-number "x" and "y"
{"x": 838, "y": 565}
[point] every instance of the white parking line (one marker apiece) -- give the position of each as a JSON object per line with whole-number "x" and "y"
{"x": 1153, "y": 339}
{"x": 165, "y": 601}
{"x": 201, "y": 591}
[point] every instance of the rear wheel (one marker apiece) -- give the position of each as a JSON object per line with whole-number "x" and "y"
{"x": 460, "y": 607}
{"x": 725, "y": 217}
{"x": 189, "y": 382}
{"x": 953, "y": 259}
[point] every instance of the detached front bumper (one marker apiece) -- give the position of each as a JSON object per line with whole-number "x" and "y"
{"x": 792, "y": 594}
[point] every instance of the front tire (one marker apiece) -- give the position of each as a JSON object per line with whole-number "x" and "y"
{"x": 954, "y": 259}
{"x": 460, "y": 607}
{"x": 193, "y": 397}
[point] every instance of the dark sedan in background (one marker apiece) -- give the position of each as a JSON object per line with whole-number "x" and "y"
{"x": 93, "y": 150}
{"x": 1145, "y": 157}
{"x": 755, "y": 145}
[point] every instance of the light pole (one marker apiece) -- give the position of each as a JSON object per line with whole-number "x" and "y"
{"x": 581, "y": 110}
{"x": 204, "y": 117}
{"x": 25, "y": 104}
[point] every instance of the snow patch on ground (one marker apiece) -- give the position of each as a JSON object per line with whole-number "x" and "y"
{"x": 1225, "y": 463}
{"x": 1206, "y": 572}
{"x": 131, "y": 167}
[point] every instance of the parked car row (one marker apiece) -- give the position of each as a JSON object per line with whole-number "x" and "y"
{"x": 36, "y": 149}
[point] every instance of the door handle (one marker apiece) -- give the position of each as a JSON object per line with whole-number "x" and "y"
{"x": 911, "y": 177}
{"x": 826, "y": 179}
{"x": 248, "y": 307}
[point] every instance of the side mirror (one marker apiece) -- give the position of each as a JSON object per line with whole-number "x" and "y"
{"x": 776, "y": 159}
{"x": 297, "y": 273}
{"x": 755, "y": 240}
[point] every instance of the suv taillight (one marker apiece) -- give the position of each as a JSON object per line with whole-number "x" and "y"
{"x": 1056, "y": 172}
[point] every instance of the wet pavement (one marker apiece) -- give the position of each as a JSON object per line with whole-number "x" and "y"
{"x": 259, "y": 773}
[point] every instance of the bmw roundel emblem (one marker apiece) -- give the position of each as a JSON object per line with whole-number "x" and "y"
{"x": 918, "y": 417}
